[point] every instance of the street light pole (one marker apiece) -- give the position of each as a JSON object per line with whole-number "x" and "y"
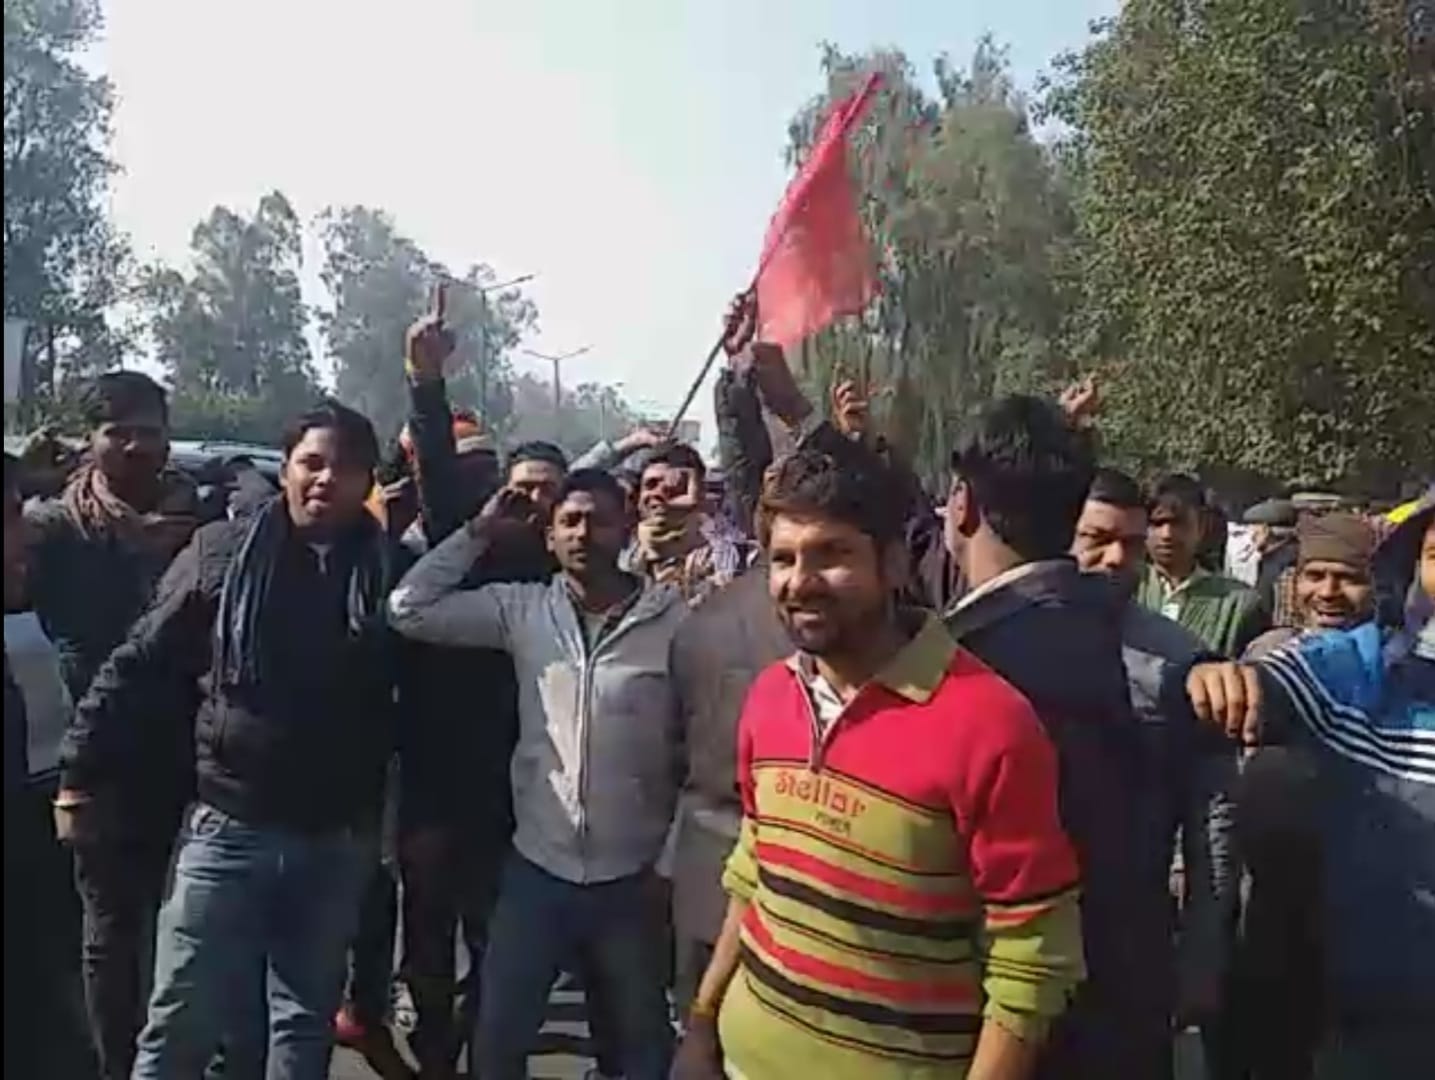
{"x": 483, "y": 291}
{"x": 603, "y": 393}
{"x": 557, "y": 362}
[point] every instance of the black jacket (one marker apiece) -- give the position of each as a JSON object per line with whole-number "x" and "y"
{"x": 305, "y": 751}
{"x": 459, "y": 706}
{"x": 744, "y": 447}
{"x": 85, "y": 590}
{"x": 1055, "y": 634}
{"x": 459, "y": 726}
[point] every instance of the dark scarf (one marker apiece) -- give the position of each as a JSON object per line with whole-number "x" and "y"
{"x": 239, "y": 659}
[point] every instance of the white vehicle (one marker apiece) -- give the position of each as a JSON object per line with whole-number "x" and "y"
{"x": 35, "y": 667}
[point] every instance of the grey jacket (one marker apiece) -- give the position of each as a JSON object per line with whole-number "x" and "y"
{"x": 594, "y": 771}
{"x": 717, "y": 654}
{"x": 1197, "y": 777}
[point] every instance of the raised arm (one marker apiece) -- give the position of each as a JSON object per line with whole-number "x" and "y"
{"x": 430, "y": 605}
{"x": 744, "y": 447}
{"x": 609, "y": 455}
{"x": 426, "y": 349}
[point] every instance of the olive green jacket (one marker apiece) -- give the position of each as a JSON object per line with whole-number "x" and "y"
{"x": 1225, "y": 614}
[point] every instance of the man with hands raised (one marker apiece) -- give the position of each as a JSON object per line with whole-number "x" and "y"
{"x": 593, "y": 771}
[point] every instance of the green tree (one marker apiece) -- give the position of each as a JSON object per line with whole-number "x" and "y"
{"x": 970, "y": 218}
{"x": 63, "y": 263}
{"x": 1256, "y": 243}
{"x": 231, "y": 333}
{"x": 589, "y": 412}
{"x": 379, "y": 282}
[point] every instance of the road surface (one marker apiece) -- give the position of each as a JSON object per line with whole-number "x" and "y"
{"x": 563, "y": 1049}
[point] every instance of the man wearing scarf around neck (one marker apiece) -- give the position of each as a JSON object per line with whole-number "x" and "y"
{"x": 274, "y": 624}
{"x": 96, "y": 552}
{"x": 678, "y": 542}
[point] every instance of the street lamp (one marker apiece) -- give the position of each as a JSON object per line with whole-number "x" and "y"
{"x": 556, "y": 361}
{"x": 603, "y": 392}
{"x": 483, "y": 291}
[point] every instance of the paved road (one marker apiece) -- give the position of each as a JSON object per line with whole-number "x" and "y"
{"x": 562, "y": 1052}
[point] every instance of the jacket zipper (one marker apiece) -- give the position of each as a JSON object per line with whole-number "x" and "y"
{"x": 585, "y": 686}
{"x": 585, "y": 694}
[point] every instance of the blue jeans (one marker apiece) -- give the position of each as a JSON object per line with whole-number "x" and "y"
{"x": 249, "y": 900}
{"x": 540, "y": 925}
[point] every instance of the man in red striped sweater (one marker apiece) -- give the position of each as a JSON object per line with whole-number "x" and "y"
{"x": 902, "y": 898}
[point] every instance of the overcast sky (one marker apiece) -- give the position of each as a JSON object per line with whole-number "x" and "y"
{"x": 628, "y": 152}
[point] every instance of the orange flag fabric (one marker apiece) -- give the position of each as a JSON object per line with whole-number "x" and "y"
{"x": 816, "y": 263}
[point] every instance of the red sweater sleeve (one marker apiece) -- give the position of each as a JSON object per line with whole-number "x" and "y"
{"x": 740, "y": 875}
{"x": 1006, "y": 799}
{"x": 1022, "y": 865}
{"x": 745, "y": 753}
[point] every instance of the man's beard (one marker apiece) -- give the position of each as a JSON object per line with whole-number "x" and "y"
{"x": 833, "y": 634}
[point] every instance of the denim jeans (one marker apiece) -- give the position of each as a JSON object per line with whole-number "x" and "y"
{"x": 248, "y": 900}
{"x": 543, "y": 923}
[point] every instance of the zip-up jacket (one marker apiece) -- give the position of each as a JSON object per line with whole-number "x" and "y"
{"x": 1055, "y": 634}
{"x": 86, "y": 590}
{"x": 717, "y": 655}
{"x": 594, "y": 772}
{"x": 1362, "y": 703}
{"x": 306, "y": 751}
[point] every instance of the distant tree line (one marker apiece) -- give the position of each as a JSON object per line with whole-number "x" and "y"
{"x": 1229, "y": 217}
{"x": 230, "y": 328}
{"x": 1223, "y": 208}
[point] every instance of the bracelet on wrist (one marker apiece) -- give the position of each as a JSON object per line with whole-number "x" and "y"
{"x": 702, "y": 1011}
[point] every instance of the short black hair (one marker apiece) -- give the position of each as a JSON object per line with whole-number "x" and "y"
{"x": 677, "y": 456}
{"x": 595, "y": 482}
{"x": 357, "y": 440}
{"x": 845, "y": 481}
{"x": 537, "y": 450}
{"x": 1180, "y": 490}
{"x": 1028, "y": 471}
{"x": 117, "y": 395}
{"x": 1116, "y": 488}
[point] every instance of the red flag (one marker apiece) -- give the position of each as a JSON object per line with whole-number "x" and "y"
{"x": 816, "y": 263}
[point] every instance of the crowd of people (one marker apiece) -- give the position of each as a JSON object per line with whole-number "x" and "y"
{"x": 800, "y": 774}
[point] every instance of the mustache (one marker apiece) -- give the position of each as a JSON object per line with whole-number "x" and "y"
{"x": 805, "y": 606}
